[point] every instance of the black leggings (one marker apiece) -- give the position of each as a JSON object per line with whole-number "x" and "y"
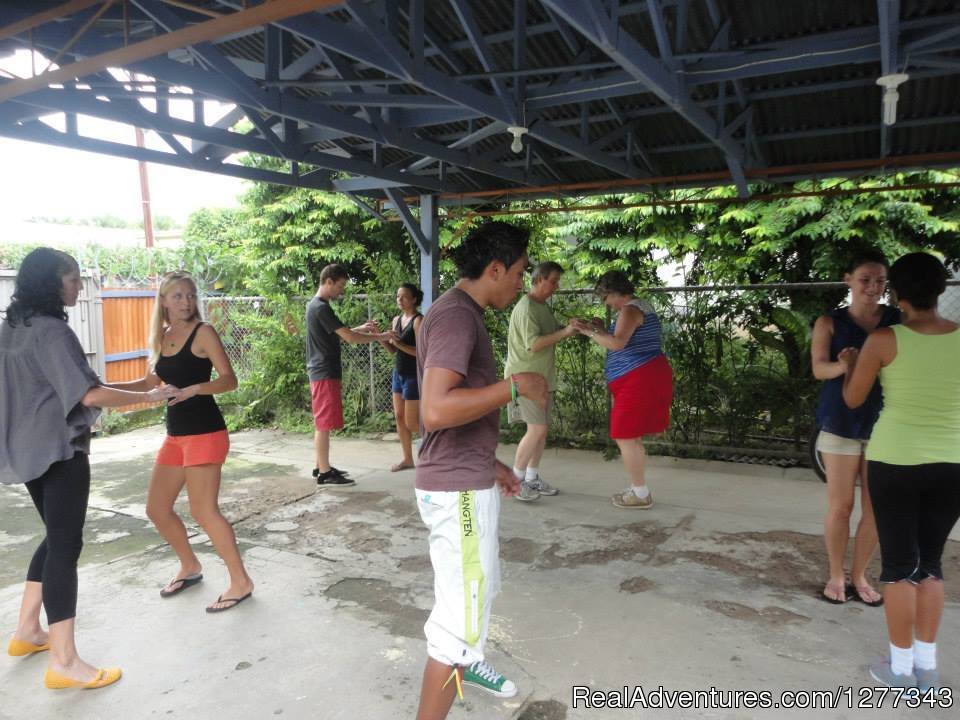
{"x": 916, "y": 507}
{"x": 60, "y": 495}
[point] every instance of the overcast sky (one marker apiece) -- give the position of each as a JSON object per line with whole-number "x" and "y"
{"x": 37, "y": 179}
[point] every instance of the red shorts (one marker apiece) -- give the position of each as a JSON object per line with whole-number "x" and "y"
{"x": 186, "y": 450}
{"x": 641, "y": 400}
{"x": 327, "y": 404}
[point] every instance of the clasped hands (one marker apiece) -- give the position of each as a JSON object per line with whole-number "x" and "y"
{"x": 586, "y": 326}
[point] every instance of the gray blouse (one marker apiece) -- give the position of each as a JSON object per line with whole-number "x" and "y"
{"x": 43, "y": 377}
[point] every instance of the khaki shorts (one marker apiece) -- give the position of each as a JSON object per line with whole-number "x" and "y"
{"x": 527, "y": 411}
{"x": 838, "y": 445}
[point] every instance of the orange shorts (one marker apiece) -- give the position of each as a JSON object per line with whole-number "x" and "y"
{"x": 186, "y": 450}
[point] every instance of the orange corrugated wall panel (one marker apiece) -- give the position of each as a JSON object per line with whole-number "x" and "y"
{"x": 126, "y": 323}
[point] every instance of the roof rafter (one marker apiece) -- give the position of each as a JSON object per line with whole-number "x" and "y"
{"x": 637, "y": 61}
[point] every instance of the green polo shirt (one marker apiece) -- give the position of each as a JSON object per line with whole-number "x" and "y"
{"x": 528, "y": 321}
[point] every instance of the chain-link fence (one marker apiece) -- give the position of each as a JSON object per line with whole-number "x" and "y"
{"x": 740, "y": 355}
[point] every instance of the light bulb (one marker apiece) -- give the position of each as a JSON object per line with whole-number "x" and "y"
{"x": 890, "y": 97}
{"x": 518, "y": 131}
{"x": 889, "y": 83}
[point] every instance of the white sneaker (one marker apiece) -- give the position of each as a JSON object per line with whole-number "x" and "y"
{"x": 542, "y": 486}
{"x": 527, "y": 492}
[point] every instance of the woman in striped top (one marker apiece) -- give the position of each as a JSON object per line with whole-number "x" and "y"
{"x": 639, "y": 378}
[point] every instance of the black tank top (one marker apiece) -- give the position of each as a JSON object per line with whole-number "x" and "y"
{"x": 199, "y": 414}
{"x": 406, "y": 364}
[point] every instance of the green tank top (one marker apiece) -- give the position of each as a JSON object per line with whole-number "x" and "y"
{"x": 920, "y": 419}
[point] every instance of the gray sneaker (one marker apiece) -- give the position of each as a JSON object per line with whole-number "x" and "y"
{"x": 527, "y": 492}
{"x": 542, "y": 486}
{"x": 883, "y": 674}
{"x": 927, "y": 680}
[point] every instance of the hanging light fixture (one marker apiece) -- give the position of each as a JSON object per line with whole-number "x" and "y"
{"x": 890, "y": 83}
{"x": 518, "y": 132}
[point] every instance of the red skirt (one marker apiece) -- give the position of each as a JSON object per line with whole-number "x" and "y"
{"x": 641, "y": 400}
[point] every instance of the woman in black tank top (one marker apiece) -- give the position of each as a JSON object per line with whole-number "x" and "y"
{"x": 406, "y": 391}
{"x": 184, "y": 352}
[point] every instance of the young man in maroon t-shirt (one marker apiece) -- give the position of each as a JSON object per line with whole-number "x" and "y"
{"x": 459, "y": 479}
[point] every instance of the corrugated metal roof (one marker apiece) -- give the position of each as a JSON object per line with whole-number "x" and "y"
{"x": 800, "y": 75}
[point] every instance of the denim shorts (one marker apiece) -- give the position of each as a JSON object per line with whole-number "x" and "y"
{"x": 405, "y": 385}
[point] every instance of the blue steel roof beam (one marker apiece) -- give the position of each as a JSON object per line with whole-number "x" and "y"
{"x": 520, "y": 51}
{"x": 948, "y": 34}
{"x": 382, "y": 36}
{"x": 888, "y": 12}
{"x": 308, "y": 112}
{"x": 365, "y": 100}
{"x": 409, "y": 222}
{"x": 935, "y": 61}
{"x": 41, "y": 133}
{"x": 564, "y": 142}
{"x": 660, "y": 33}
{"x": 814, "y": 52}
{"x": 635, "y": 59}
{"x": 635, "y": 148}
{"x": 566, "y": 33}
{"x": 680, "y": 31}
{"x": 355, "y": 44}
{"x": 723, "y": 39}
{"x": 440, "y": 47}
{"x": 175, "y": 144}
{"x": 364, "y": 206}
{"x": 548, "y": 163}
{"x": 790, "y": 135}
{"x": 302, "y": 65}
{"x": 416, "y": 33}
{"x": 472, "y": 29}
{"x": 90, "y": 106}
{"x": 760, "y": 157}
{"x": 363, "y": 184}
{"x": 464, "y": 142}
{"x": 345, "y": 72}
{"x": 211, "y": 55}
{"x": 84, "y": 103}
{"x": 622, "y": 84}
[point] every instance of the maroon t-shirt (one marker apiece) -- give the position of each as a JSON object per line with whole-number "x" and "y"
{"x": 453, "y": 336}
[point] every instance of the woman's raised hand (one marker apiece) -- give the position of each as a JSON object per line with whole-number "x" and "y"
{"x": 848, "y": 356}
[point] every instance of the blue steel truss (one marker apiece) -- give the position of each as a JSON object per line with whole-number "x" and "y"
{"x": 382, "y": 100}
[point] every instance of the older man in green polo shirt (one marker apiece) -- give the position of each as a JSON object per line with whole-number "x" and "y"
{"x": 531, "y": 340}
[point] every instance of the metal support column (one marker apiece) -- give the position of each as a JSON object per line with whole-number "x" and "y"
{"x": 429, "y": 255}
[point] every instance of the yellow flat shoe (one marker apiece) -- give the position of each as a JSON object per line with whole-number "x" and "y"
{"x": 104, "y": 677}
{"x": 18, "y": 648}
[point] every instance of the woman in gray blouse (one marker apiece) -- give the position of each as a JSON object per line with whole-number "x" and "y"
{"x": 51, "y": 397}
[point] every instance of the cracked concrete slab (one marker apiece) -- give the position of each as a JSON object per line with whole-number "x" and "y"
{"x": 716, "y": 585}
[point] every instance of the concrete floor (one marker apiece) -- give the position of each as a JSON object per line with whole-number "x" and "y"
{"x": 716, "y": 586}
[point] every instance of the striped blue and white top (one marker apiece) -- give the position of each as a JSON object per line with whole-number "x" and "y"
{"x": 644, "y": 345}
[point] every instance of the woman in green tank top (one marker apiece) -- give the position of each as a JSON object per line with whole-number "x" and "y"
{"x": 913, "y": 463}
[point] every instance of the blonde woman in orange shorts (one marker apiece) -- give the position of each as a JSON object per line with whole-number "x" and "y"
{"x": 183, "y": 352}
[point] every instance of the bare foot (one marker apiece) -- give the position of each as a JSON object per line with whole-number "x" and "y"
{"x": 866, "y": 594}
{"x": 402, "y": 465}
{"x": 835, "y": 592}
